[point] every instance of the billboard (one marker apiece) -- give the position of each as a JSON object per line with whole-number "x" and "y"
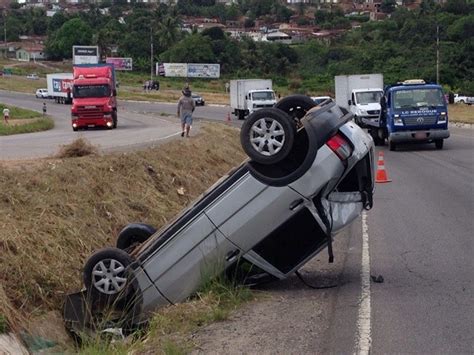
{"x": 189, "y": 70}
{"x": 204, "y": 70}
{"x": 120, "y": 63}
{"x": 85, "y": 55}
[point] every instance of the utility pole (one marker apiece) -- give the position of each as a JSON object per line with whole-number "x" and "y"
{"x": 5, "y": 33}
{"x": 151, "y": 52}
{"x": 437, "y": 54}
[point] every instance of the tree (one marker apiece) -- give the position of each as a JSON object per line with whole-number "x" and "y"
{"x": 388, "y": 6}
{"x": 73, "y": 32}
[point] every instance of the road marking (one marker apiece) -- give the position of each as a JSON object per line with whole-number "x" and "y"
{"x": 364, "y": 340}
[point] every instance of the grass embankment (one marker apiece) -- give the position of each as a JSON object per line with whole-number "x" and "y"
{"x": 54, "y": 213}
{"x": 23, "y": 121}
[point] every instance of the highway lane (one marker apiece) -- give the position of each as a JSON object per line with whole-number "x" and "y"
{"x": 421, "y": 231}
{"x": 140, "y": 123}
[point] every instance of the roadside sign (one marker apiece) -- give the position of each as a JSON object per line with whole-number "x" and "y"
{"x": 120, "y": 63}
{"x": 85, "y": 55}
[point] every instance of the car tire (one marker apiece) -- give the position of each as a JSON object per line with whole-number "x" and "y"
{"x": 267, "y": 135}
{"x": 439, "y": 144}
{"x": 295, "y": 106}
{"x": 134, "y": 234}
{"x": 106, "y": 275}
{"x": 392, "y": 146}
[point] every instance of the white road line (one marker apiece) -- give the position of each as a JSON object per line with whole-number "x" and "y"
{"x": 364, "y": 340}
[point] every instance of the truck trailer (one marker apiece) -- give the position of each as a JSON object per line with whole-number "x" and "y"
{"x": 94, "y": 96}
{"x": 60, "y": 87}
{"x": 360, "y": 94}
{"x": 249, "y": 95}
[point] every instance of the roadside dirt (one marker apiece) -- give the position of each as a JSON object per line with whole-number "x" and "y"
{"x": 292, "y": 318}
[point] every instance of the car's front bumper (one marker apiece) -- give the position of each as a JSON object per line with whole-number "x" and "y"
{"x": 418, "y": 136}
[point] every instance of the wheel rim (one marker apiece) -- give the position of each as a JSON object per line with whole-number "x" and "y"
{"x": 108, "y": 276}
{"x": 267, "y": 136}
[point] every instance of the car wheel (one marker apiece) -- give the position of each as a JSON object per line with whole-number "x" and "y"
{"x": 134, "y": 234}
{"x": 295, "y": 106}
{"x": 392, "y": 146}
{"x": 461, "y": 101}
{"x": 267, "y": 135}
{"x": 439, "y": 143}
{"x": 105, "y": 274}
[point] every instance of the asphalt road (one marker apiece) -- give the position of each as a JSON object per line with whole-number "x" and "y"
{"x": 140, "y": 123}
{"x": 419, "y": 235}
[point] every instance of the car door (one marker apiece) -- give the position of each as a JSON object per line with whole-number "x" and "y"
{"x": 251, "y": 210}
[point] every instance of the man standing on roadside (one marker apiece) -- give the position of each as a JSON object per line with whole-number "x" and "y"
{"x": 186, "y": 108}
{"x": 44, "y": 109}
{"x": 6, "y": 115}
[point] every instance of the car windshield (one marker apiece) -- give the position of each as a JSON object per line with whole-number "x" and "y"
{"x": 263, "y": 96}
{"x": 417, "y": 97}
{"x": 81, "y": 91}
{"x": 364, "y": 98}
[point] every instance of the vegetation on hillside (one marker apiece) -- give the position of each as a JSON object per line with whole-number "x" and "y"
{"x": 402, "y": 46}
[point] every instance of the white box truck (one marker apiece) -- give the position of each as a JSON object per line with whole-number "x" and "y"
{"x": 360, "y": 94}
{"x": 249, "y": 95}
{"x": 60, "y": 87}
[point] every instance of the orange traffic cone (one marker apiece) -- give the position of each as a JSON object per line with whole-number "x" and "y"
{"x": 381, "y": 173}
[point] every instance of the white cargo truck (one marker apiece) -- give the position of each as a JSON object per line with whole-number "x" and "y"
{"x": 360, "y": 94}
{"x": 249, "y": 95}
{"x": 60, "y": 87}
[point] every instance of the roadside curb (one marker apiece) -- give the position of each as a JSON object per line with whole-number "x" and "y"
{"x": 461, "y": 125}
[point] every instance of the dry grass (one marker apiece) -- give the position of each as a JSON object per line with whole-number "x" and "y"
{"x": 81, "y": 147}
{"x": 461, "y": 113}
{"x": 53, "y": 216}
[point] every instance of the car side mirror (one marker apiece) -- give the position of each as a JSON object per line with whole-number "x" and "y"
{"x": 349, "y": 102}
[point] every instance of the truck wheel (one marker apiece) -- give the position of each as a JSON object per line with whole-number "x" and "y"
{"x": 392, "y": 146}
{"x": 114, "y": 119}
{"x": 267, "y": 136}
{"x": 295, "y": 106}
{"x": 439, "y": 143}
{"x": 106, "y": 275}
{"x": 134, "y": 234}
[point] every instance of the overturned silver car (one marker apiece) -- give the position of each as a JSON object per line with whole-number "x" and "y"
{"x": 310, "y": 174}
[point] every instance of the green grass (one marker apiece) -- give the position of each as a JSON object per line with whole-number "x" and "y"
{"x": 38, "y": 125}
{"x": 3, "y": 324}
{"x": 17, "y": 113}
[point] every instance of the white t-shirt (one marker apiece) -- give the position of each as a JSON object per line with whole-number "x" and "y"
{"x": 6, "y": 112}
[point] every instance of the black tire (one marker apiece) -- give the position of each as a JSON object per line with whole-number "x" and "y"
{"x": 74, "y": 129}
{"x": 267, "y": 136}
{"x": 392, "y": 146}
{"x": 439, "y": 144}
{"x": 106, "y": 275}
{"x": 114, "y": 119}
{"x": 295, "y": 106}
{"x": 134, "y": 234}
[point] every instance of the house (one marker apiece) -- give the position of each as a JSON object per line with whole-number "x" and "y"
{"x": 29, "y": 52}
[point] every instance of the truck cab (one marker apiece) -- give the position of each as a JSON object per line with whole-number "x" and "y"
{"x": 365, "y": 105}
{"x": 94, "y": 97}
{"x": 257, "y": 99}
{"x": 412, "y": 112}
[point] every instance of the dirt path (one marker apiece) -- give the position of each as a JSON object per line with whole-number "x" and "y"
{"x": 291, "y": 319}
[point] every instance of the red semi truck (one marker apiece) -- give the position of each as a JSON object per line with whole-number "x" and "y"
{"x": 94, "y": 96}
